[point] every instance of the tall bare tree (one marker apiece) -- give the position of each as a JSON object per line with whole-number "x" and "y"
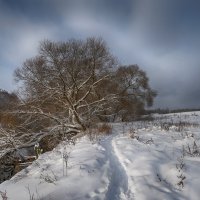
{"x": 70, "y": 85}
{"x": 61, "y": 82}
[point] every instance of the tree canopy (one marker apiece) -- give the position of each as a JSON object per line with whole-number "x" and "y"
{"x": 72, "y": 85}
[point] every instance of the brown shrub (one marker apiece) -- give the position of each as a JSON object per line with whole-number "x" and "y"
{"x": 9, "y": 120}
{"x": 104, "y": 129}
{"x": 95, "y": 132}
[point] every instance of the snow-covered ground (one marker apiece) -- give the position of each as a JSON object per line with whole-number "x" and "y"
{"x": 157, "y": 160}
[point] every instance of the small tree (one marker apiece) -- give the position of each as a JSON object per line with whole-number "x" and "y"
{"x": 131, "y": 87}
{"x": 134, "y": 92}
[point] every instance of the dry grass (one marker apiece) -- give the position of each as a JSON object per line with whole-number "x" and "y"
{"x": 3, "y": 195}
{"x": 104, "y": 129}
{"x": 101, "y": 129}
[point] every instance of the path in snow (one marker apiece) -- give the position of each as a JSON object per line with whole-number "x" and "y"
{"x": 118, "y": 186}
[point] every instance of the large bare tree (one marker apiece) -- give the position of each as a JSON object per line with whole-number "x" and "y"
{"x": 70, "y": 85}
{"x": 61, "y": 83}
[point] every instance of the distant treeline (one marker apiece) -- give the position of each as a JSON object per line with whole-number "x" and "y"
{"x": 167, "y": 110}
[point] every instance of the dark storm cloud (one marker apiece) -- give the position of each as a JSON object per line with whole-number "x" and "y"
{"x": 161, "y": 36}
{"x": 34, "y": 10}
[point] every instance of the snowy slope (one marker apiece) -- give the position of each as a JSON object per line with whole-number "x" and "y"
{"x": 157, "y": 160}
{"x": 47, "y": 178}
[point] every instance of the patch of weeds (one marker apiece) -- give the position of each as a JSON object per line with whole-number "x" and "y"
{"x": 3, "y": 195}
{"x": 104, "y": 129}
{"x": 65, "y": 156}
{"x": 176, "y": 126}
{"x": 133, "y": 134}
{"x": 181, "y": 180}
{"x": 191, "y": 150}
{"x": 33, "y": 196}
{"x": 96, "y": 132}
{"x": 49, "y": 177}
{"x": 180, "y": 166}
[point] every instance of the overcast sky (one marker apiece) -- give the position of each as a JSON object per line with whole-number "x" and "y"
{"x": 161, "y": 36}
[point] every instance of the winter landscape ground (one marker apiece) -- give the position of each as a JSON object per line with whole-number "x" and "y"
{"x": 143, "y": 160}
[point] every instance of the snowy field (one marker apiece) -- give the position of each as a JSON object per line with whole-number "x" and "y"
{"x": 149, "y": 160}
